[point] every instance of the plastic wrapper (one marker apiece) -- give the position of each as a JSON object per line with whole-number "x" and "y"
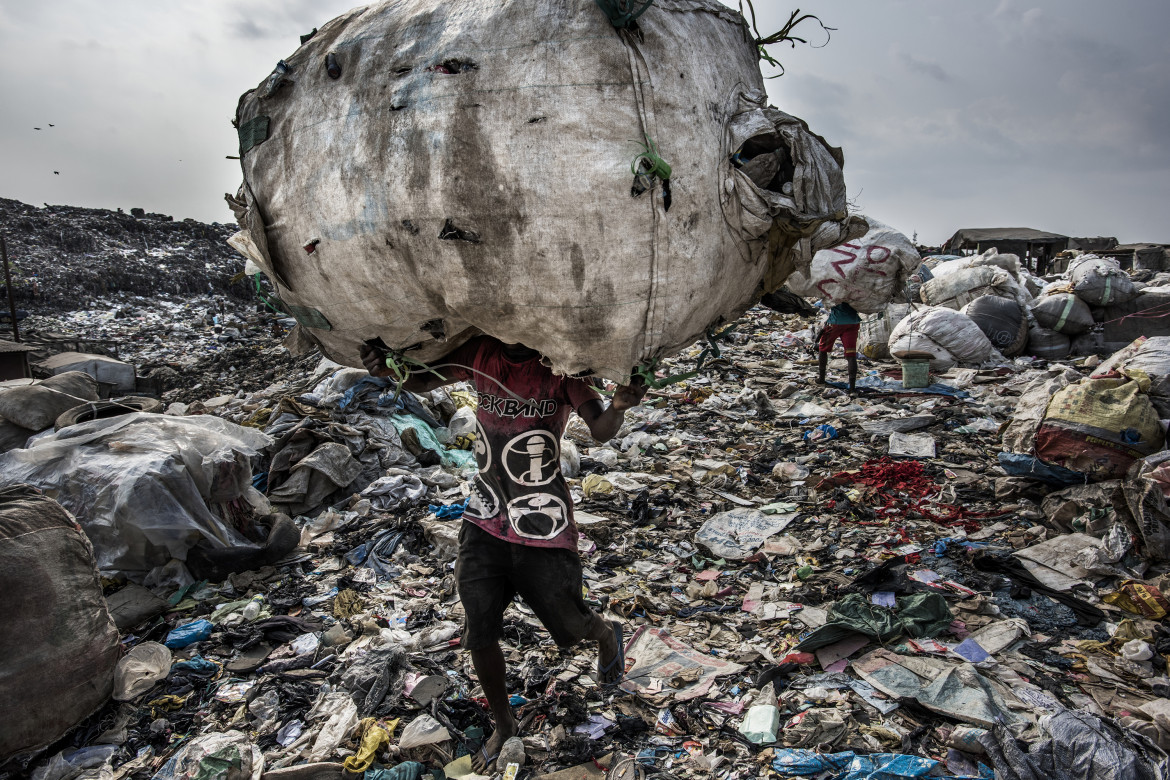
{"x": 140, "y": 669}
{"x": 218, "y": 756}
{"x": 423, "y": 730}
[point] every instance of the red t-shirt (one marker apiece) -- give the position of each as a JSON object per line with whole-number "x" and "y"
{"x": 519, "y": 495}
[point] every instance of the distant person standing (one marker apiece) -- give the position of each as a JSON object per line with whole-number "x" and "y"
{"x": 844, "y": 323}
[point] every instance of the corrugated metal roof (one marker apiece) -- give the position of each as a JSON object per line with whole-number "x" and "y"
{"x": 12, "y": 346}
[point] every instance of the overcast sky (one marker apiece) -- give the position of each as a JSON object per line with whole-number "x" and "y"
{"x": 1051, "y": 114}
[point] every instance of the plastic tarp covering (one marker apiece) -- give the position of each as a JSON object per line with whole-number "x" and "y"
{"x": 1099, "y": 427}
{"x": 468, "y": 169}
{"x": 1100, "y": 282}
{"x": 866, "y": 273}
{"x": 1002, "y": 321}
{"x": 1064, "y": 313}
{"x": 142, "y": 485}
{"x": 59, "y": 646}
{"x": 1075, "y": 745}
{"x": 958, "y": 691}
{"x": 949, "y": 335}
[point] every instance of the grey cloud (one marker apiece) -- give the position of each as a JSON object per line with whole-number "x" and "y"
{"x": 923, "y": 65}
{"x": 248, "y": 29}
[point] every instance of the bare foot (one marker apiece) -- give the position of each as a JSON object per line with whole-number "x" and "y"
{"x": 609, "y": 666}
{"x": 482, "y": 759}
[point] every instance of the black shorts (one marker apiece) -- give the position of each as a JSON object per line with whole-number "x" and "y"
{"x": 490, "y": 572}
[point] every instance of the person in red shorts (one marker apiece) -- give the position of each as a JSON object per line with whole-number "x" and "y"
{"x": 518, "y": 536}
{"x": 843, "y": 323}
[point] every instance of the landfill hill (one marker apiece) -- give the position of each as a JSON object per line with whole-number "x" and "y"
{"x": 76, "y": 254}
{"x": 147, "y": 289}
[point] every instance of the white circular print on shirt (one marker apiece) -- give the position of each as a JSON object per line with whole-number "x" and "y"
{"x": 537, "y": 516}
{"x": 532, "y": 459}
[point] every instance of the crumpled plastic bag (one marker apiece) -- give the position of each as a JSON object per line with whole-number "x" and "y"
{"x": 423, "y": 730}
{"x": 140, "y": 669}
{"x": 340, "y": 716}
{"x": 398, "y": 487}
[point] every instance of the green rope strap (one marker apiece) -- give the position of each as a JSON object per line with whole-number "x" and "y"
{"x": 649, "y": 162}
{"x": 621, "y": 13}
{"x": 260, "y": 295}
{"x": 710, "y": 352}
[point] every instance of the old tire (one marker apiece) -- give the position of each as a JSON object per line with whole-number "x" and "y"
{"x": 100, "y": 410}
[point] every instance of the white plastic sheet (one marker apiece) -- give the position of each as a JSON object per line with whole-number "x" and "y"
{"x": 144, "y": 486}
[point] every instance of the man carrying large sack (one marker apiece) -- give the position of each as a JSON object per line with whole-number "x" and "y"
{"x": 518, "y": 534}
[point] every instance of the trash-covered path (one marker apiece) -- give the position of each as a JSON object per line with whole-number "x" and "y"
{"x": 801, "y": 575}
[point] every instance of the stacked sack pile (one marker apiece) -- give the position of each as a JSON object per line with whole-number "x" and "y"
{"x": 1094, "y": 289}
{"x": 975, "y": 311}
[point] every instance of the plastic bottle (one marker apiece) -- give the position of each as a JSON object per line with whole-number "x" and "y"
{"x": 253, "y": 607}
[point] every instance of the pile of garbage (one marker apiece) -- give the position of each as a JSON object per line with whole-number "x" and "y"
{"x": 810, "y": 582}
{"x": 67, "y": 256}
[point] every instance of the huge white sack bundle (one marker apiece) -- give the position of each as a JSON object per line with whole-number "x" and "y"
{"x": 992, "y": 258}
{"x": 423, "y": 171}
{"x": 951, "y": 336}
{"x": 865, "y": 273}
{"x": 955, "y": 290}
{"x": 1100, "y": 282}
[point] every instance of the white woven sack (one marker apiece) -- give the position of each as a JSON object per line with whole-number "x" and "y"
{"x": 469, "y": 170}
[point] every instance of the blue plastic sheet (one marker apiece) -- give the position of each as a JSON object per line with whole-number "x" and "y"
{"x": 449, "y": 511}
{"x": 188, "y": 634}
{"x": 1018, "y": 465}
{"x": 197, "y": 665}
{"x": 823, "y": 432}
{"x": 794, "y": 762}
